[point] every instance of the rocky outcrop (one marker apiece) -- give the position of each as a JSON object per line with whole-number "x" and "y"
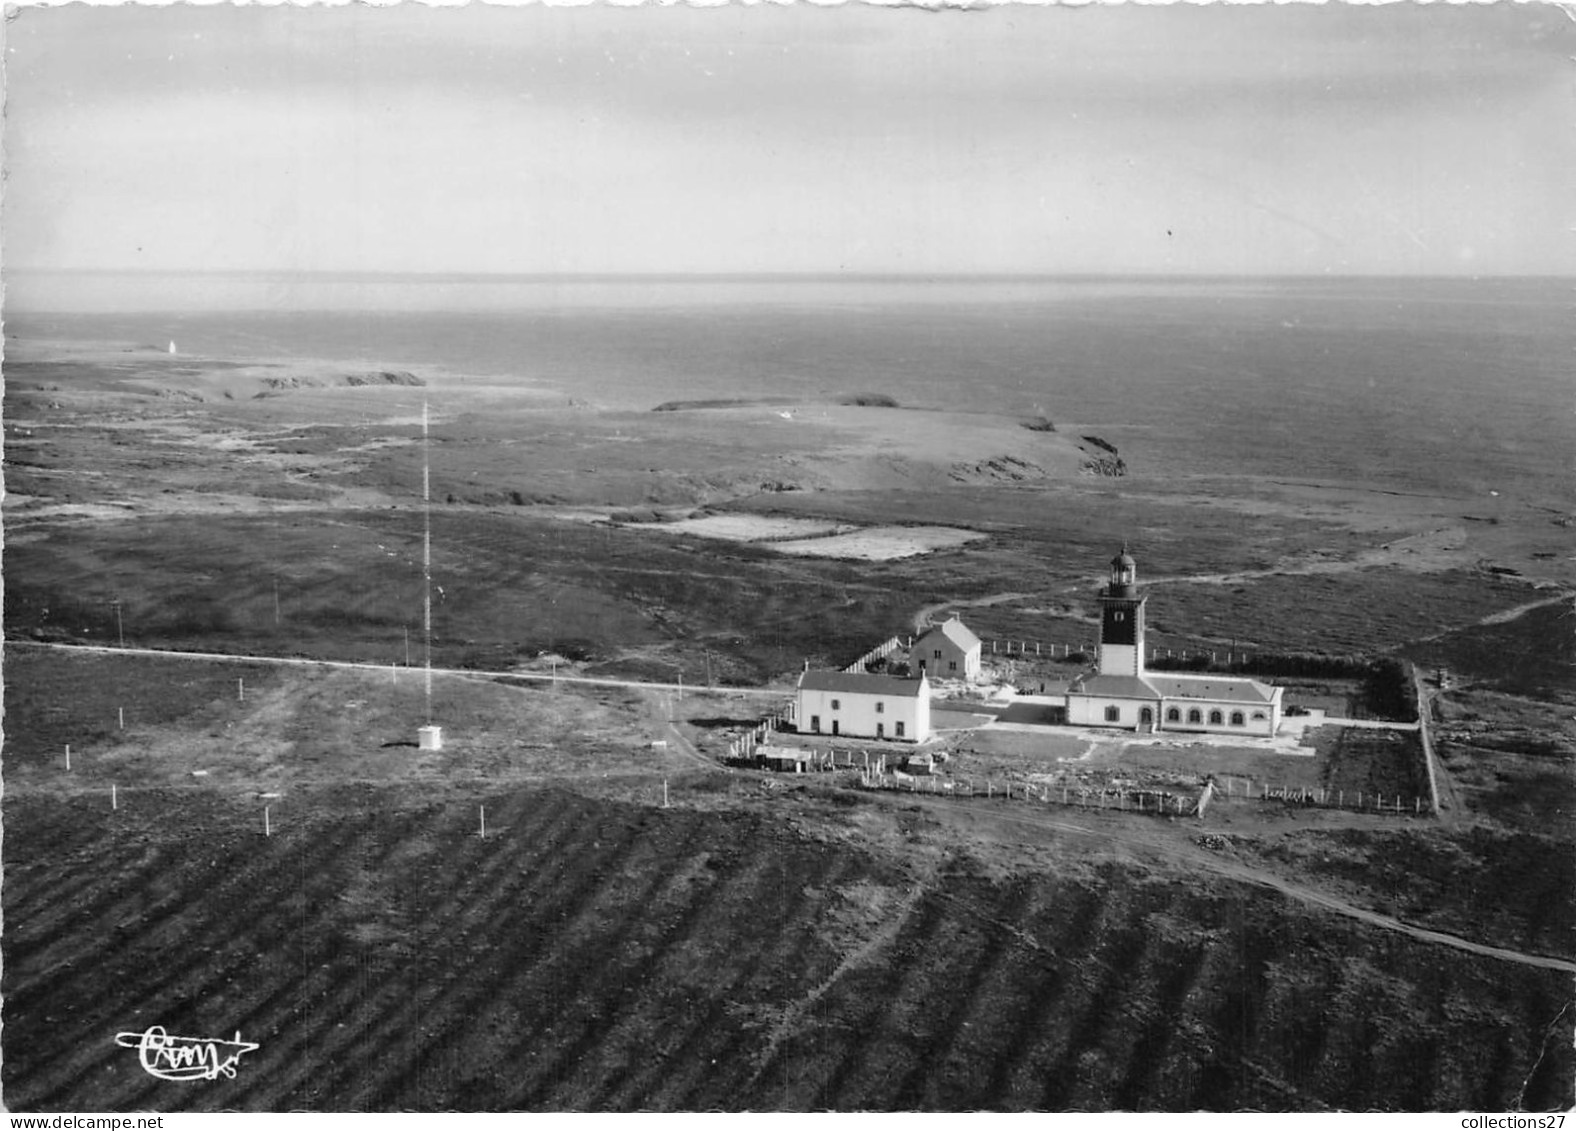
{"x": 998, "y": 469}
{"x": 340, "y": 381}
{"x": 1103, "y": 458}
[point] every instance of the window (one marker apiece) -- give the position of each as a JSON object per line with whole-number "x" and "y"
{"x": 1215, "y": 718}
{"x": 880, "y": 707}
{"x": 898, "y": 730}
{"x": 1236, "y": 719}
{"x": 1258, "y": 716}
{"x": 835, "y": 704}
{"x": 1118, "y": 615}
{"x": 952, "y": 665}
{"x": 1113, "y": 714}
{"x": 1173, "y": 715}
{"x": 1195, "y": 716}
{"x": 815, "y": 724}
{"x": 938, "y": 653}
{"x": 880, "y": 730}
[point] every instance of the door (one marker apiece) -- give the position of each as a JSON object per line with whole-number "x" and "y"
{"x": 834, "y": 726}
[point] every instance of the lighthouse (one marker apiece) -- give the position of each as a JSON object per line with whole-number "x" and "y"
{"x": 1122, "y": 620}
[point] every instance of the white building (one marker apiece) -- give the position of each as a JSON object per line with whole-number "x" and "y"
{"x": 1120, "y": 693}
{"x": 860, "y": 705}
{"x": 947, "y": 651}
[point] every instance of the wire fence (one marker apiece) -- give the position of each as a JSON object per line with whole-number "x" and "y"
{"x": 1132, "y": 799}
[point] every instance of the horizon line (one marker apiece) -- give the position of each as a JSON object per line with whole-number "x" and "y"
{"x": 743, "y": 276}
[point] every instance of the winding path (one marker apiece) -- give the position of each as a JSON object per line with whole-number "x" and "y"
{"x": 1170, "y": 849}
{"x": 923, "y": 618}
{"x": 351, "y": 665}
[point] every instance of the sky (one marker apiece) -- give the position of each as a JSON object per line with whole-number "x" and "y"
{"x": 1221, "y": 139}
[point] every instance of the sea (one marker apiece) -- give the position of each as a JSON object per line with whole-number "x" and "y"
{"x": 1456, "y": 387}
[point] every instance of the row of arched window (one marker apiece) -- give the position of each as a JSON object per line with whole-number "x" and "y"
{"x": 1195, "y": 716}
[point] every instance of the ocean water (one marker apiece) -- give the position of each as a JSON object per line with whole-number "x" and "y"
{"x": 1454, "y": 387}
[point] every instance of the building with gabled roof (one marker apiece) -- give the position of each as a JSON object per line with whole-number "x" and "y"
{"x": 1120, "y": 693}
{"x": 947, "y": 651}
{"x": 861, "y": 705}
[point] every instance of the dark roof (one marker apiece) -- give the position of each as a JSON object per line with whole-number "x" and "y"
{"x": 1223, "y": 689}
{"x": 1119, "y": 686}
{"x": 860, "y": 683}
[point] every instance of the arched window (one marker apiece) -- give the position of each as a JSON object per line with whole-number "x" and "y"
{"x": 1258, "y": 716}
{"x": 1146, "y": 716}
{"x": 1215, "y": 718}
{"x": 1193, "y": 716}
{"x": 1173, "y": 715}
{"x": 1113, "y": 714}
{"x": 1236, "y": 719}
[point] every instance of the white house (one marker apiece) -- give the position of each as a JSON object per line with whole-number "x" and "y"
{"x": 947, "y": 651}
{"x": 1120, "y": 693}
{"x": 860, "y": 705}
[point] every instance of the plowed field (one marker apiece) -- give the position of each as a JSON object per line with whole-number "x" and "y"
{"x": 597, "y": 954}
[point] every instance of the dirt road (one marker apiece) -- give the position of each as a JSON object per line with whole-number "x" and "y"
{"x": 349, "y": 665}
{"x": 1171, "y": 849}
{"x": 923, "y": 618}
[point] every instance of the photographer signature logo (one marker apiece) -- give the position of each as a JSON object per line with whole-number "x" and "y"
{"x": 185, "y": 1058}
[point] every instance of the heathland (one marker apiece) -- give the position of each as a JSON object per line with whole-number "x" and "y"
{"x": 711, "y": 497}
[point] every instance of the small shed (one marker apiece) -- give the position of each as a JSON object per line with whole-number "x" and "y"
{"x": 785, "y": 759}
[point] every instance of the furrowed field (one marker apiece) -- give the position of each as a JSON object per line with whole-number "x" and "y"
{"x": 594, "y": 954}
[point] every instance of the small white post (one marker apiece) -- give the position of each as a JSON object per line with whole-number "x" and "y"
{"x": 122, "y": 713}
{"x": 664, "y": 793}
{"x": 268, "y": 827}
{"x": 68, "y": 757}
{"x": 484, "y": 821}
{"x": 114, "y": 796}
{"x": 240, "y": 690}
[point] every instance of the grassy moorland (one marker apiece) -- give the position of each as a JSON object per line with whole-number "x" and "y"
{"x": 764, "y": 943}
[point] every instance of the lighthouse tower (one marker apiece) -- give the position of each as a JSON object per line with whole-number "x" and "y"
{"x": 1122, "y": 620}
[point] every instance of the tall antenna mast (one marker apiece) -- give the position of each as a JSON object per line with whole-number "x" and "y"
{"x": 426, "y": 553}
